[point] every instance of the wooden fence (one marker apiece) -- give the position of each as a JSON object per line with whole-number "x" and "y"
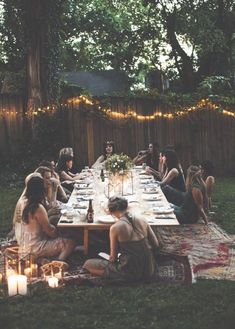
{"x": 11, "y": 125}
{"x": 197, "y": 136}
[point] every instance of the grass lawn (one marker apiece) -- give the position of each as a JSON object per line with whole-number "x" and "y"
{"x": 204, "y": 305}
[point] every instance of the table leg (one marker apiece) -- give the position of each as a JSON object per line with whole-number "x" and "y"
{"x": 85, "y": 241}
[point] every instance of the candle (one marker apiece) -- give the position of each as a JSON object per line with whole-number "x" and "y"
{"x": 17, "y": 284}
{"x": 53, "y": 282}
{"x": 12, "y": 285}
{"x": 28, "y": 272}
{"x": 22, "y": 284}
{"x": 34, "y": 268}
{"x": 59, "y": 274}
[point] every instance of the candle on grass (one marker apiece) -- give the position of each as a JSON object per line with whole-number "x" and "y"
{"x": 12, "y": 285}
{"x": 28, "y": 272}
{"x": 53, "y": 282}
{"x": 17, "y": 284}
{"x": 22, "y": 284}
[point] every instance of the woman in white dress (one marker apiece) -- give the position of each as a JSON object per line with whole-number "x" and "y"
{"x": 34, "y": 233}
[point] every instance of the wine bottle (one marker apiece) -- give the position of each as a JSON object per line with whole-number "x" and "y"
{"x": 102, "y": 175}
{"x": 90, "y": 213}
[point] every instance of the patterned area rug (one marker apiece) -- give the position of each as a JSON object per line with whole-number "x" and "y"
{"x": 171, "y": 269}
{"x": 211, "y": 249}
{"x": 188, "y": 252}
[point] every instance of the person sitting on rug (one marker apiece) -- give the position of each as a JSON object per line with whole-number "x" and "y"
{"x": 108, "y": 150}
{"x": 162, "y": 164}
{"x": 134, "y": 239}
{"x": 194, "y": 199}
{"x": 11, "y": 234}
{"x": 207, "y": 169}
{"x": 150, "y": 156}
{"x": 34, "y": 233}
{"x": 172, "y": 175}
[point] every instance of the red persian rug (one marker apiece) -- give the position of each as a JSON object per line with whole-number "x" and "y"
{"x": 211, "y": 249}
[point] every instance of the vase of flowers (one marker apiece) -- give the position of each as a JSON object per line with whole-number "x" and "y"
{"x": 120, "y": 178}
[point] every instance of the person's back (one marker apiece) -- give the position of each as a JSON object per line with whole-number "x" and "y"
{"x": 33, "y": 231}
{"x": 136, "y": 260}
{"x": 134, "y": 239}
{"x": 30, "y": 235}
{"x": 194, "y": 199}
{"x": 128, "y": 232}
{"x": 178, "y": 182}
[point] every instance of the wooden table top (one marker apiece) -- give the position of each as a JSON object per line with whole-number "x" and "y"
{"x": 148, "y": 201}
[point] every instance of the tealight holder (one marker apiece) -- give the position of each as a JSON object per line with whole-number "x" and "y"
{"x": 18, "y": 271}
{"x": 120, "y": 183}
{"x": 53, "y": 273}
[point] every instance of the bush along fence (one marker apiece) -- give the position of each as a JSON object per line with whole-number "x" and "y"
{"x": 200, "y": 131}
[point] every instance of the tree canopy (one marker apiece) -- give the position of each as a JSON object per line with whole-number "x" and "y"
{"x": 188, "y": 39}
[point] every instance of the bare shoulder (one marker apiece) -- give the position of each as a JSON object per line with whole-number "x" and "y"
{"x": 140, "y": 220}
{"x": 41, "y": 210}
{"x": 174, "y": 171}
{"x": 196, "y": 191}
{"x": 118, "y": 225}
{"x": 100, "y": 158}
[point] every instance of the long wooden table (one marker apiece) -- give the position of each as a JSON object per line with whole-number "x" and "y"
{"x": 74, "y": 217}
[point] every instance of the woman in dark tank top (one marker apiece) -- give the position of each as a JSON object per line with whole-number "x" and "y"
{"x": 136, "y": 242}
{"x": 173, "y": 175}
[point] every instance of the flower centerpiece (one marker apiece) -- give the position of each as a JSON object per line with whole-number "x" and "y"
{"x": 118, "y": 163}
{"x": 120, "y": 179}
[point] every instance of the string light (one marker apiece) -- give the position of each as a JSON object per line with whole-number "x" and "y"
{"x": 203, "y": 104}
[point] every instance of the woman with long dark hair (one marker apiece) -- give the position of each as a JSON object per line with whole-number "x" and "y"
{"x": 108, "y": 150}
{"x": 173, "y": 175}
{"x": 33, "y": 231}
{"x": 63, "y": 168}
{"x": 134, "y": 239}
{"x": 150, "y": 157}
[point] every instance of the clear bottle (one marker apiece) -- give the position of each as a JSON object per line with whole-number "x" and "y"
{"x": 90, "y": 213}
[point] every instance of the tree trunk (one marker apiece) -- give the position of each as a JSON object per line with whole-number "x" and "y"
{"x": 37, "y": 27}
{"x": 185, "y": 68}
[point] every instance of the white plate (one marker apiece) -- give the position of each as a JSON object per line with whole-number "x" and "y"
{"x": 152, "y": 191}
{"x": 85, "y": 197}
{"x": 142, "y": 176}
{"x": 85, "y": 192}
{"x": 151, "y": 198}
{"x": 145, "y": 181}
{"x": 162, "y": 210}
{"x": 105, "y": 219}
{"x": 80, "y": 205}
